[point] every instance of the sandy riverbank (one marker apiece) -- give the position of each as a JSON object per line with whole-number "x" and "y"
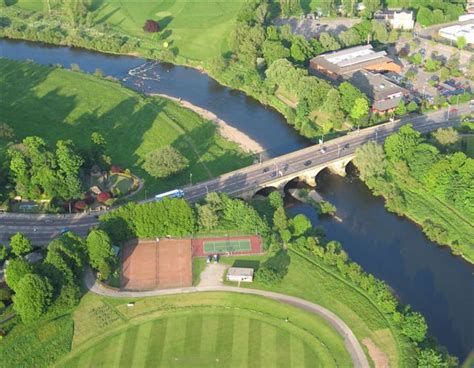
{"x": 227, "y": 131}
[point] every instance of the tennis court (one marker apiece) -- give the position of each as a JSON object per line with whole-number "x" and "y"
{"x": 221, "y": 246}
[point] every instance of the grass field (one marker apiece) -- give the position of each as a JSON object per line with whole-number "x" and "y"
{"x": 198, "y": 30}
{"x": 227, "y": 246}
{"x": 201, "y": 330}
{"x": 71, "y": 105}
{"x": 319, "y": 285}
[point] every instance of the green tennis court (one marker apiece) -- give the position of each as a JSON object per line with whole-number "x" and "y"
{"x": 219, "y": 246}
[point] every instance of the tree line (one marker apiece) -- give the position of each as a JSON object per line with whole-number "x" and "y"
{"x": 407, "y": 159}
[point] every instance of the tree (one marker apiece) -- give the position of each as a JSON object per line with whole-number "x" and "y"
{"x": 412, "y": 106}
{"x": 290, "y": 7}
{"x": 164, "y": 162}
{"x": 416, "y": 59}
{"x": 461, "y": 42}
{"x": 360, "y": 109}
{"x": 444, "y": 74}
{"x": 328, "y": 42}
{"x": 446, "y": 136}
{"x": 350, "y": 37}
{"x": 275, "y": 199}
{"x": 32, "y": 297}
{"x": 401, "y": 108}
{"x": 429, "y": 358}
{"x": 432, "y": 65}
{"x": 280, "y": 221}
{"x": 3, "y": 253}
{"x": 17, "y": 268}
{"x": 69, "y": 163}
{"x": 300, "y": 224}
{"x": 370, "y": 160}
{"x": 349, "y": 95}
{"x": 274, "y": 50}
{"x": 151, "y": 26}
{"x": 371, "y": 6}
{"x": 207, "y": 217}
{"x": 424, "y": 16}
{"x": 437, "y": 16}
{"x": 414, "y": 326}
{"x": 20, "y": 244}
{"x": 400, "y": 145}
{"x": 380, "y": 31}
{"x": 99, "y": 248}
{"x": 300, "y": 49}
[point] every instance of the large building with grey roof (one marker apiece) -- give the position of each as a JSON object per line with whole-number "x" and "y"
{"x": 341, "y": 64}
{"x": 384, "y": 94}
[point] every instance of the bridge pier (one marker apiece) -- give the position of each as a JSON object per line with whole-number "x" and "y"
{"x": 339, "y": 168}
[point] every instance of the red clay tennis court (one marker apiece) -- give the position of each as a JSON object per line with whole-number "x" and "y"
{"x": 233, "y": 245}
{"x": 152, "y": 264}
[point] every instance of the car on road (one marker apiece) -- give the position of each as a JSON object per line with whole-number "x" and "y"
{"x": 307, "y": 163}
{"x": 323, "y": 150}
{"x": 285, "y": 167}
{"x": 267, "y": 169}
{"x": 453, "y": 111}
{"x": 272, "y": 174}
{"x": 346, "y": 146}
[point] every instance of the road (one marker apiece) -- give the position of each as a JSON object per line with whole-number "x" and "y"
{"x": 350, "y": 341}
{"x": 43, "y": 228}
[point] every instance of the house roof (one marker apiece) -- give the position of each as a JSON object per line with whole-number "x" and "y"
{"x": 376, "y": 86}
{"x": 240, "y": 271}
{"x": 351, "y": 59}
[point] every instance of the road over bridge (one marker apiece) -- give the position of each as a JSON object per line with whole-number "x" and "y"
{"x": 304, "y": 164}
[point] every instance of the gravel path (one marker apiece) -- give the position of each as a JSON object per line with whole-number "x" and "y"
{"x": 352, "y": 344}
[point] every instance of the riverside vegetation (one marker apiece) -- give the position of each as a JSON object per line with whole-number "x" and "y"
{"x": 426, "y": 182}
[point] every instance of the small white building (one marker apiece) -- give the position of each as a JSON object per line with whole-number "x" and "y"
{"x": 398, "y": 19}
{"x": 453, "y": 33}
{"x": 240, "y": 274}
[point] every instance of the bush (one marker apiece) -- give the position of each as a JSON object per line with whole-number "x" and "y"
{"x": 164, "y": 162}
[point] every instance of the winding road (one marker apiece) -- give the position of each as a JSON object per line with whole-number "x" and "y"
{"x": 41, "y": 229}
{"x": 351, "y": 343}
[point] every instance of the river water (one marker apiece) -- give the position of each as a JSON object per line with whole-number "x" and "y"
{"x": 392, "y": 248}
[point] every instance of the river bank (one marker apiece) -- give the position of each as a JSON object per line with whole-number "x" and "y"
{"x": 228, "y": 132}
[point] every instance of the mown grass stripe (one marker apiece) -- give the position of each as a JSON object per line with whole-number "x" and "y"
{"x": 268, "y": 350}
{"x": 283, "y": 349}
{"x": 225, "y": 338}
{"x": 128, "y": 348}
{"x": 209, "y": 336}
{"x": 192, "y": 340}
{"x": 310, "y": 359}
{"x": 141, "y": 347}
{"x": 99, "y": 354}
{"x": 241, "y": 343}
{"x": 174, "y": 348}
{"x": 255, "y": 343}
{"x": 297, "y": 351}
{"x": 156, "y": 342}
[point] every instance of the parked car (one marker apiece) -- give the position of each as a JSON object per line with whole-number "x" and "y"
{"x": 307, "y": 163}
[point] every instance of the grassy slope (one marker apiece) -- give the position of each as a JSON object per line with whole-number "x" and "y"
{"x": 238, "y": 330}
{"x": 317, "y": 284}
{"x": 198, "y": 29}
{"x": 60, "y": 104}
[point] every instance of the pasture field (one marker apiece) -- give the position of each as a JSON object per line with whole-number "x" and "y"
{"x": 202, "y": 330}
{"x": 197, "y": 30}
{"x": 60, "y": 104}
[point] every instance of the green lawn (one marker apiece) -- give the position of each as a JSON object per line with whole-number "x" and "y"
{"x": 198, "y": 30}
{"x": 201, "y": 330}
{"x": 319, "y": 285}
{"x": 60, "y": 104}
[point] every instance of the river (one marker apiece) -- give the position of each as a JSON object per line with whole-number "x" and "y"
{"x": 392, "y": 248}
